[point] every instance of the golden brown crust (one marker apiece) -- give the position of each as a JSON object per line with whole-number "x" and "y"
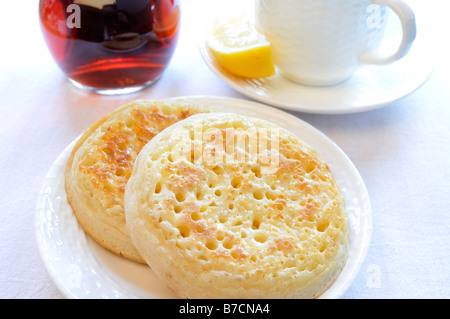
{"x": 218, "y": 229}
{"x": 102, "y": 161}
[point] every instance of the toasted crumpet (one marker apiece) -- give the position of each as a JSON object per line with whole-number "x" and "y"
{"x": 101, "y": 164}
{"x": 212, "y": 226}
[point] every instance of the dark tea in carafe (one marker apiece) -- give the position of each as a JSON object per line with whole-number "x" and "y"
{"x": 111, "y": 46}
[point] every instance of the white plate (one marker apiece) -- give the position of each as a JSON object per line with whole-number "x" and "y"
{"x": 369, "y": 88}
{"x": 82, "y": 269}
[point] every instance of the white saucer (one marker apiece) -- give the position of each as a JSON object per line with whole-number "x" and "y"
{"x": 369, "y": 88}
{"x": 81, "y": 268}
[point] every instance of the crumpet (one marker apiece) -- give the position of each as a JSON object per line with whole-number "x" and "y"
{"x": 217, "y": 218}
{"x": 101, "y": 164}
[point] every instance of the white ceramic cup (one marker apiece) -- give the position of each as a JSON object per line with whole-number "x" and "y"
{"x": 323, "y": 42}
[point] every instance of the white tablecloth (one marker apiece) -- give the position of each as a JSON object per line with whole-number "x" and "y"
{"x": 402, "y": 152}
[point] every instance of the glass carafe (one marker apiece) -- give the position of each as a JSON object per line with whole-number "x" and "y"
{"x": 111, "y": 46}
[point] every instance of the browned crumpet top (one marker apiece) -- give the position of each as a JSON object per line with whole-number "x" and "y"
{"x": 110, "y": 162}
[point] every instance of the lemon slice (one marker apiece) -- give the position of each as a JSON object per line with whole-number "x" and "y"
{"x": 239, "y": 48}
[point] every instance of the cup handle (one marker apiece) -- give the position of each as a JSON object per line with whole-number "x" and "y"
{"x": 408, "y": 21}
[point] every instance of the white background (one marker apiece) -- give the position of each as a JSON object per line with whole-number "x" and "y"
{"x": 402, "y": 152}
